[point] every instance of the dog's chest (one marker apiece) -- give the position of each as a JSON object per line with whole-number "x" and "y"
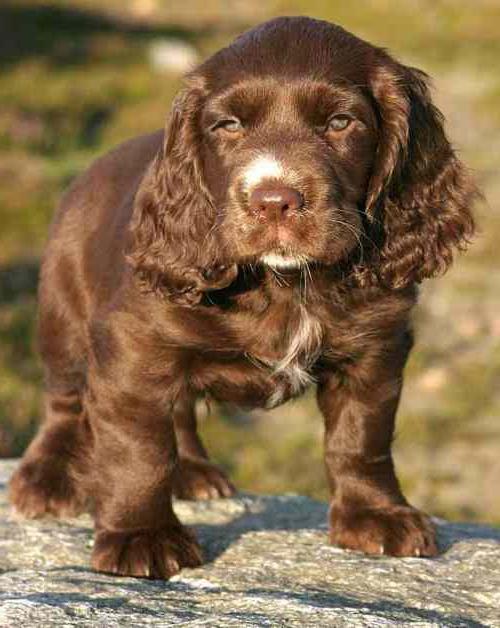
{"x": 290, "y": 355}
{"x": 266, "y": 365}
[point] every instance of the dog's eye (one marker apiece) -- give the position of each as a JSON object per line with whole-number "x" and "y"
{"x": 339, "y": 123}
{"x": 229, "y": 125}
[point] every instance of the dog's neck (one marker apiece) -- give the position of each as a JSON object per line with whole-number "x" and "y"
{"x": 258, "y": 287}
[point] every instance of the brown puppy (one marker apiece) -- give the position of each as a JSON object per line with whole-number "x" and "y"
{"x": 271, "y": 237}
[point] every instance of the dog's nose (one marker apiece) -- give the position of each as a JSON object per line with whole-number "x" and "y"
{"x": 275, "y": 202}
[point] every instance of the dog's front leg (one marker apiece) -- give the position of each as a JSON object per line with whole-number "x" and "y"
{"x": 133, "y": 462}
{"x": 368, "y": 510}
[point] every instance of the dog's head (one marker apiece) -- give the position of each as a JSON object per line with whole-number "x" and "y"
{"x": 300, "y": 143}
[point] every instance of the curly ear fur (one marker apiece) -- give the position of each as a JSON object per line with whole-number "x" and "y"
{"x": 420, "y": 196}
{"x": 174, "y": 246}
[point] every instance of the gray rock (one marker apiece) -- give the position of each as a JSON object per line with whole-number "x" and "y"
{"x": 268, "y": 564}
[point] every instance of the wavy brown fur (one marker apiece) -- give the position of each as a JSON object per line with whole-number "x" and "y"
{"x": 174, "y": 209}
{"x": 272, "y": 236}
{"x": 421, "y": 192}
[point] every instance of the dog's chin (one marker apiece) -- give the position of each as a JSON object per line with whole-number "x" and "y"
{"x": 280, "y": 261}
{"x": 296, "y": 258}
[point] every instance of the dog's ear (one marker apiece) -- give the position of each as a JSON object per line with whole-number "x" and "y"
{"x": 174, "y": 244}
{"x": 420, "y": 195}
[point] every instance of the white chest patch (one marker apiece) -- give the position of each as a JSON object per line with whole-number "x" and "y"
{"x": 292, "y": 371}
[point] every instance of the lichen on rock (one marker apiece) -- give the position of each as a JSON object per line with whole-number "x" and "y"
{"x": 268, "y": 563}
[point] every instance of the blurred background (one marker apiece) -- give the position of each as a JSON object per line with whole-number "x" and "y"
{"x": 79, "y": 76}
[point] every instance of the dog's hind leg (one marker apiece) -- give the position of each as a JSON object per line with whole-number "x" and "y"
{"x": 47, "y": 480}
{"x": 195, "y": 477}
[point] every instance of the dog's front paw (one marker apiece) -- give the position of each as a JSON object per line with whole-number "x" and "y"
{"x": 195, "y": 478}
{"x": 156, "y": 554}
{"x": 396, "y": 531}
{"x": 41, "y": 487}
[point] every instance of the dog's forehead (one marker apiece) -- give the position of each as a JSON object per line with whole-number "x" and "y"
{"x": 291, "y": 48}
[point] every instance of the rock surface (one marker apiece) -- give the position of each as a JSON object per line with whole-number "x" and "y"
{"x": 268, "y": 564}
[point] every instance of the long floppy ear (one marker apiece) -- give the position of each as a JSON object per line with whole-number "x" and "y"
{"x": 420, "y": 195}
{"x": 173, "y": 233}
